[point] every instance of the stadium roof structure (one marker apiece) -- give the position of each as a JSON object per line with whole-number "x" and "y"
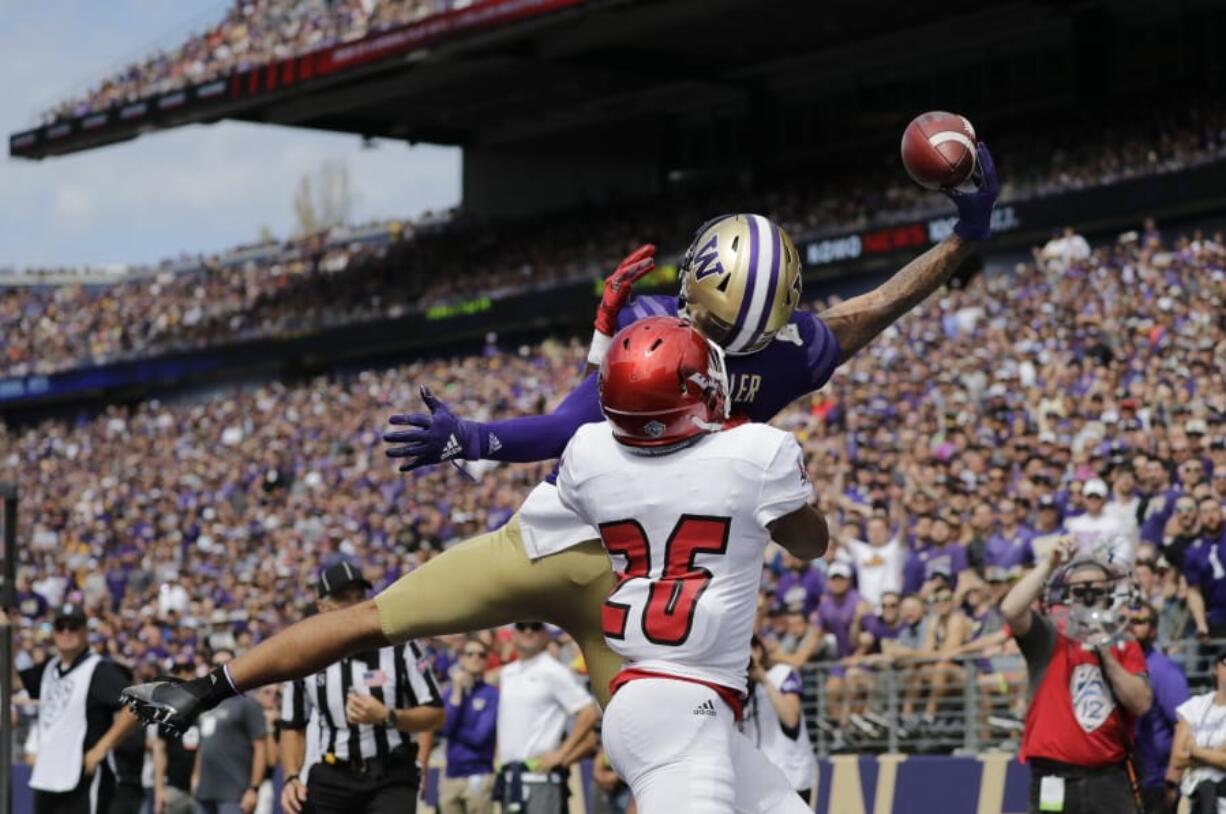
{"x": 509, "y": 70}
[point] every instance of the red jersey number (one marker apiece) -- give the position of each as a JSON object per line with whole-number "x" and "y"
{"x": 673, "y": 598}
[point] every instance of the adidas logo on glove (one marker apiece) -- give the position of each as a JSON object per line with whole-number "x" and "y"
{"x": 451, "y": 450}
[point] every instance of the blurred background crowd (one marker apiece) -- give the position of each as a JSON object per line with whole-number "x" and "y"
{"x": 251, "y": 33}
{"x": 1077, "y": 393}
{"x": 397, "y": 267}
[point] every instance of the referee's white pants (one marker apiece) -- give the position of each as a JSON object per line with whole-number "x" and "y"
{"x": 676, "y": 744}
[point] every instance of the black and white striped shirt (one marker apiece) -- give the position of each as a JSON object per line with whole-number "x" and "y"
{"x": 397, "y": 676}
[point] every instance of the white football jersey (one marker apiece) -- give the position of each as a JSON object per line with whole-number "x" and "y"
{"x": 686, "y": 532}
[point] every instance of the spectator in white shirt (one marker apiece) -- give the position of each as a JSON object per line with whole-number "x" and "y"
{"x": 878, "y": 562}
{"x": 1102, "y": 534}
{"x": 537, "y": 694}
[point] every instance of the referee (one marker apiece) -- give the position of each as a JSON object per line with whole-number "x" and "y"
{"x": 363, "y": 709}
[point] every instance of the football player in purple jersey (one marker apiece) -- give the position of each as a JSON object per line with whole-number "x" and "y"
{"x": 741, "y": 284}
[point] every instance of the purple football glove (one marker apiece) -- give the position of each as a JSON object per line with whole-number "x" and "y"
{"x": 439, "y": 436}
{"x": 975, "y": 208}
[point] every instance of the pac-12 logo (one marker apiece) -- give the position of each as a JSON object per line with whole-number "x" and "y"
{"x": 1092, "y": 702}
{"x": 707, "y": 261}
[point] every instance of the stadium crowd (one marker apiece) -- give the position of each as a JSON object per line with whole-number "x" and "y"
{"x": 1081, "y": 393}
{"x": 253, "y": 32}
{"x": 329, "y": 279}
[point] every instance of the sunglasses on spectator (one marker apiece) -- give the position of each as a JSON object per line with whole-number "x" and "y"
{"x": 480, "y": 654}
{"x": 66, "y": 625}
{"x": 1142, "y": 620}
{"x": 533, "y": 626}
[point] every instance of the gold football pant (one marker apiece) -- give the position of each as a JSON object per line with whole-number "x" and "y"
{"x": 489, "y": 581}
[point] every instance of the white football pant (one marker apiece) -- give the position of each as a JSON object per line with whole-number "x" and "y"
{"x": 676, "y": 744}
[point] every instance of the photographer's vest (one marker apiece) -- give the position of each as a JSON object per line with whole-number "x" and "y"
{"x": 61, "y": 725}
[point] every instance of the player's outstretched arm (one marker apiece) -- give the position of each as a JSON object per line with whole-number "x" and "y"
{"x": 802, "y": 533}
{"x": 856, "y": 321}
{"x": 442, "y": 436}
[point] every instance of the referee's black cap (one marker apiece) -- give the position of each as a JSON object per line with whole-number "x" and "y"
{"x": 70, "y": 612}
{"x": 337, "y": 578}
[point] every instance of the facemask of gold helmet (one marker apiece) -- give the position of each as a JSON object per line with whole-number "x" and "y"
{"x": 740, "y": 281}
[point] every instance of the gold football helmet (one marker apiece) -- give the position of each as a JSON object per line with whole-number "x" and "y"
{"x": 740, "y": 281}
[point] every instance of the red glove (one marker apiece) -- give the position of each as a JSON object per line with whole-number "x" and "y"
{"x": 617, "y": 287}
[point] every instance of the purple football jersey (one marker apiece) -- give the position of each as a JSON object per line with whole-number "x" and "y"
{"x": 799, "y": 360}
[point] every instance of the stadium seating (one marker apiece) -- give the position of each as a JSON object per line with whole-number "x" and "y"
{"x": 393, "y": 268}
{"x": 190, "y": 524}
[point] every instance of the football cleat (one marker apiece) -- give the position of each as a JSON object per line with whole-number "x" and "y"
{"x": 662, "y": 382}
{"x": 740, "y": 281}
{"x": 169, "y": 702}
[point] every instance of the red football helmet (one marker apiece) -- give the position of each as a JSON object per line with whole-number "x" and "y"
{"x": 662, "y": 382}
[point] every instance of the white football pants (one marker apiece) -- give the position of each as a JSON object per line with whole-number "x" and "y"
{"x": 676, "y": 744}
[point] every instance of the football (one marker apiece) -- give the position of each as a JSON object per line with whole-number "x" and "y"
{"x": 938, "y": 149}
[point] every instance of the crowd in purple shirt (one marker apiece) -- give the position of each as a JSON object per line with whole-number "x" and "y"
{"x": 997, "y": 414}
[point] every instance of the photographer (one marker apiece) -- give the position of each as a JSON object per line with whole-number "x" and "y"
{"x": 774, "y": 721}
{"x": 1086, "y": 687}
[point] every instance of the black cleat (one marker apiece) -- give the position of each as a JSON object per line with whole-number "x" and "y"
{"x": 169, "y": 702}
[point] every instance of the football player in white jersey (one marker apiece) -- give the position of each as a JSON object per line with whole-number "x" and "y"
{"x": 685, "y": 506}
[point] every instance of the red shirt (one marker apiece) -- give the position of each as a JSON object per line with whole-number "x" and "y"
{"x": 1073, "y": 716}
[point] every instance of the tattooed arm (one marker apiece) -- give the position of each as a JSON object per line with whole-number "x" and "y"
{"x": 856, "y": 321}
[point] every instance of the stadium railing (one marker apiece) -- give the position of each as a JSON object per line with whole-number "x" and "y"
{"x": 980, "y": 703}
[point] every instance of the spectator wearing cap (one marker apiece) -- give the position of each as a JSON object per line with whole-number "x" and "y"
{"x": 1048, "y": 524}
{"x": 1100, "y": 534}
{"x": 365, "y": 709}
{"x": 80, "y": 720}
{"x": 1155, "y": 730}
{"x": 470, "y": 730}
{"x": 1205, "y": 570}
{"x": 1199, "y": 752}
{"x": 839, "y": 612}
{"x": 537, "y": 697}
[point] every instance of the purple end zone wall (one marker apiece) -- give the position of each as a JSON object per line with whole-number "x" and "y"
{"x": 906, "y": 784}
